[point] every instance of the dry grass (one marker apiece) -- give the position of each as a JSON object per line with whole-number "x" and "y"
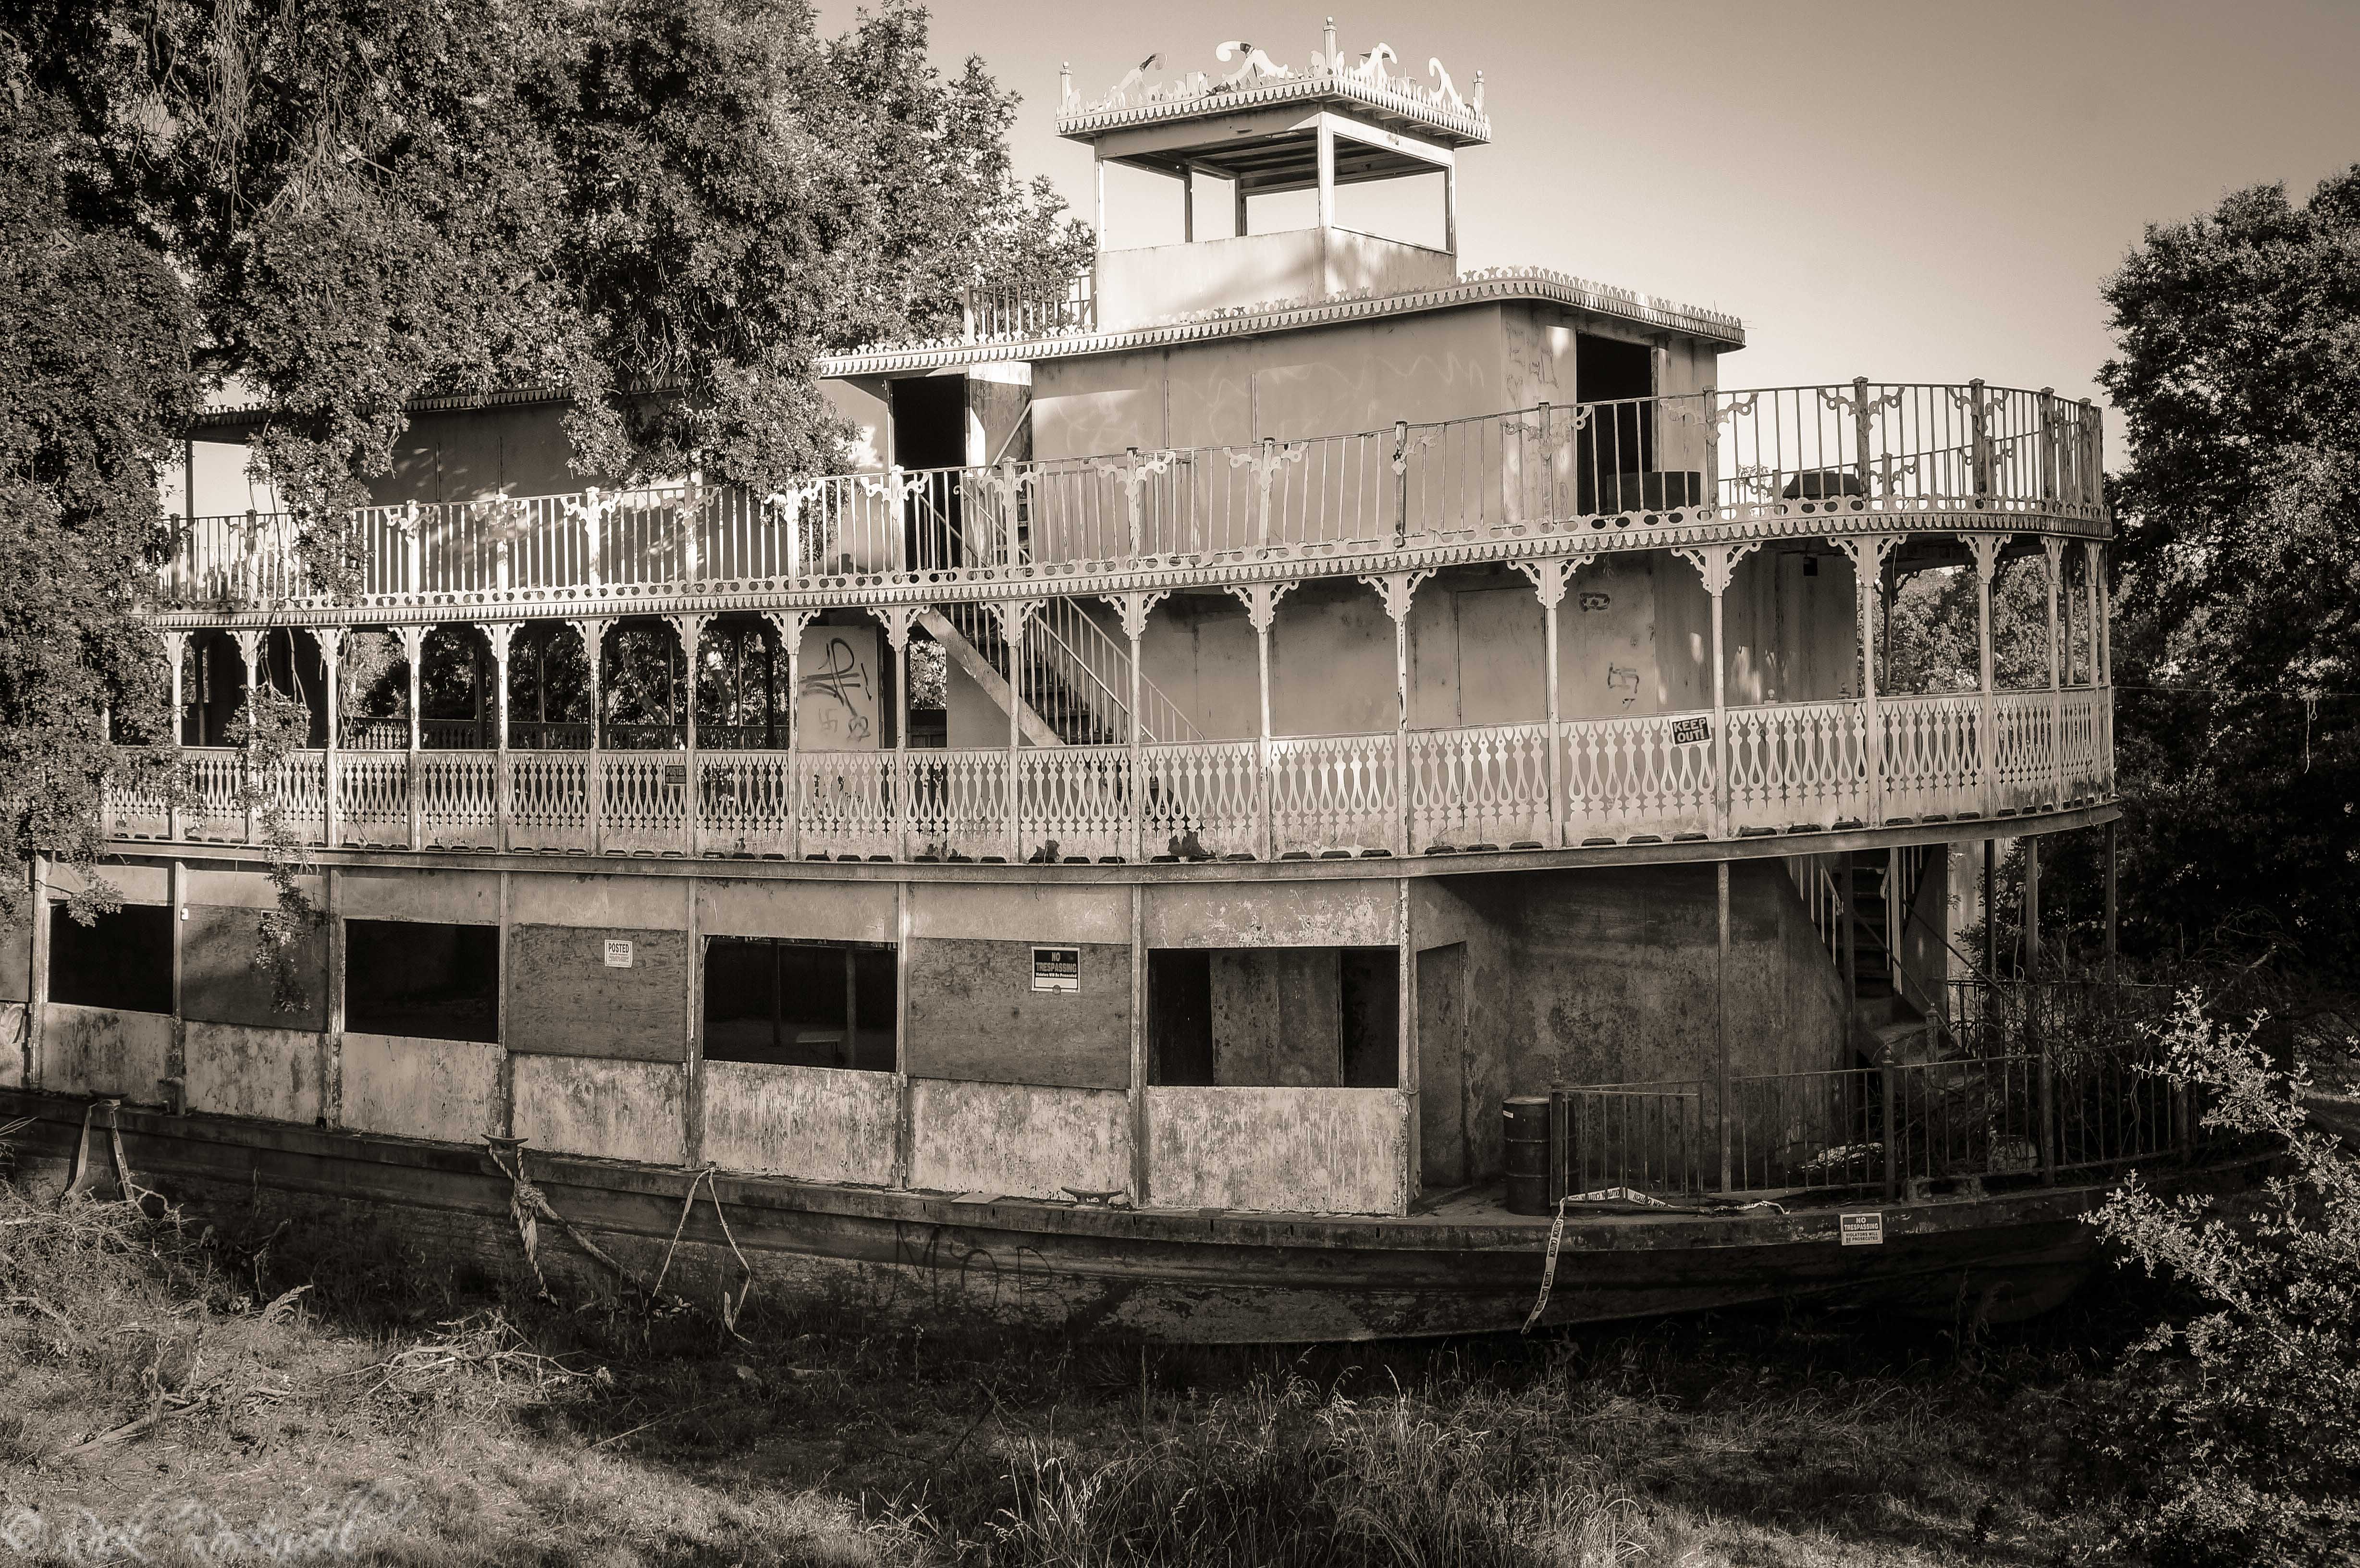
{"x": 216, "y": 1388}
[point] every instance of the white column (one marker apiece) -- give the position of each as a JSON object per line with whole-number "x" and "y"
{"x": 593, "y": 632}
{"x": 1985, "y": 549}
{"x": 897, "y": 619}
{"x": 1326, "y": 144}
{"x": 413, "y": 647}
{"x": 789, "y": 625}
{"x": 1260, "y": 600}
{"x": 691, "y": 629}
{"x": 1717, "y": 563}
{"x": 332, "y": 658}
{"x": 1868, "y": 552}
{"x": 1134, "y": 609}
{"x": 1398, "y": 591}
{"x": 499, "y": 634}
{"x": 176, "y": 649}
{"x": 2054, "y": 549}
{"x": 1013, "y": 613}
{"x": 1550, "y": 579}
{"x": 251, "y": 651}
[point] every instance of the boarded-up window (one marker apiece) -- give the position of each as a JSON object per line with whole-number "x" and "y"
{"x": 798, "y": 1004}
{"x": 422, "y": 979}
{"x": 122, "y": 960}
{"x": 221, "y": 983}
{"x": 1311, "y": 1017}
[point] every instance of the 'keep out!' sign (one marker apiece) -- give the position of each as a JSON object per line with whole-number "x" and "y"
{"x": 1690, "y": 732}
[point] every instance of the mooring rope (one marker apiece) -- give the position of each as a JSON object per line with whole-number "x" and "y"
{"x": 528, "y": 1205}
{"x": 1610, "y": 1195}
{"x": 705, "y": 1177}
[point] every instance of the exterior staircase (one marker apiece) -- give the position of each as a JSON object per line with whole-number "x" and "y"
{"x": 1853, "y": 900}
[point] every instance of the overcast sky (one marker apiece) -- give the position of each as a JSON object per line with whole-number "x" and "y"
{"x": 1900, "y": 191}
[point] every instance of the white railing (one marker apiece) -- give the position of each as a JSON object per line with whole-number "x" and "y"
{"x": 1779, "y": 769}
{"x": 1863, "y": 449}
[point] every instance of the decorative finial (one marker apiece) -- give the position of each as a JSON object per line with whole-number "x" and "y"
{"x": 1066, "y": 81}
{"x": 1327, "y": 56}
{"x": 1478, "y": 99}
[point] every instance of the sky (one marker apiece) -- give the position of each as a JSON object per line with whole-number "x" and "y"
{"x": 1902, "y": 191}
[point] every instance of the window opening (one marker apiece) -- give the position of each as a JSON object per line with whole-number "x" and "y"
{"x": 421, "y": 979}
{"x": 122, "y": 960}
{"x": 800, "y": 1004}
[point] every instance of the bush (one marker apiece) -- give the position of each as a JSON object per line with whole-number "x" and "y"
{"x": 2237, "y": 1433}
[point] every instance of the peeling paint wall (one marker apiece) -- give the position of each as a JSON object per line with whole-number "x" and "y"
{"x": 1279, "y": 1150}
{"x": 1303, "y": 914}
{"x": 16, "y": 960}
{"x": 443, "y": 1089}
{"x": 563, "y": 999}
{"x": 451, "y": 898}
{"x": 815, "y": 1124}
{"x": 809, "y": 911}
{"x": 589, "y": 901}
{"x": 272, "y": 1073}
{"x": 98, "y": 1051}
{"x": 974, "y": 1015}
{"x": 15, "y": 1025}
{"x": 621, "y": 1110}
{"x": 221, "y": 984}
{"x": 1278, "y": 1017}
{"x": 1017, "y": 1141}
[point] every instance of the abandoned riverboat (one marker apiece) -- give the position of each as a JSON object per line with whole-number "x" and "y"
{"x": 1284, "y": 769}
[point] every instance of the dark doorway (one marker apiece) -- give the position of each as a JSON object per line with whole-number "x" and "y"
{"x": 121, "y": 960}
{"x": 930, "y": 433}
{"x": 1290, "y": 1018}
{"x": 422, "y": 980}
{"x": 798, "y": 1004}
{"x": 1180, "y": 1014}
{"x": 1619, "y": 441}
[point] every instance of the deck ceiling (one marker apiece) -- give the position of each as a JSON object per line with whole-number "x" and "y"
{"x": 1289, "y": 161}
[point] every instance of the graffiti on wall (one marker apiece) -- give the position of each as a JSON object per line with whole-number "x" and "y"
{"x": 837, "y": 690}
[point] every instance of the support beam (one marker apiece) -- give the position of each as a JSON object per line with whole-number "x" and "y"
{"x": 1868, "y": 553}
{"x": 1721, "y": 1019}
{"x": 176, "y": 649}
{"x": 1134, "y": 609}
{"x": 1013, "y": 613}
{"x": 2053, "y": 549}
{"x": 1717, "y": 564}
{"x": 413, "y": 650}
{"x": 254, "y": 654}
{"x": 1985, "y": 549}
{"x": 593, "y": 632}
{"x": 497, "y": 637}
{"x": 1397, "y": 591}
{"x": 789, "y": 625}
{"x": 1549, "y": 580}
{"x": 1260, "y": 600}
{"x": 898, "y": 620}
{"x": 332, "y": 660}
{"x": 2113, "y": 970}
{"x": 691, "y": 630}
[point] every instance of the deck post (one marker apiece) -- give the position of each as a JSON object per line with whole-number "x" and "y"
{"x": 902, "y": 1135}
{"x": 176, "y": 1059}
{"x": 593, "y": 632}
{"x": 2093, "y": 564}
{"x": 1991, "y": 922}
{"x": 1985, "y": 550}
{"x": 254, "y": 655}
{"x": 1885, "y": 1074}
{"x": 1405, "y": 1069}
{"x": 691, "y": 628}
{"x": 332, "y": 660}
{"x": 1721, "y": 1019}
{"x": 1260, "y": 600}
{"x": 897, "y": 619}
{"x": 2054, "y": 549}
{"x": 2101, "y": 634}
{"x": 1139, "y": 1064}
{"x": 1868, "y": 555}
{"x": 1717, "y": 564}
{"x": 500, "y": 636}
{"x": 1013, "y": 616}
{"x": 176, "y": 646}
{"x": 1134, "y": 609}
{"x": 332, "y": 1039}
{"x": 413, "y": 649}
{"x": 789, "y": 625}
{"x": 1549, "y": 580}
{"x": 1396, "y": 590}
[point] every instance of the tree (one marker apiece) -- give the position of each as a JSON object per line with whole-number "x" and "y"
{"x": 668, "y": 207}
{"x": 2237, "y": 636}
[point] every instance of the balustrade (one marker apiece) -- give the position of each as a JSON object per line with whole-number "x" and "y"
{"x": 1866, "y": 451}
{"x": 1641, "y": 778}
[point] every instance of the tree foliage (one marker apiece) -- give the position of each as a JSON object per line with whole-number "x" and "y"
{"x": 668, "y": 208}
{"x": 2237, "y": 637}
{"x": 2238, "y": 1431}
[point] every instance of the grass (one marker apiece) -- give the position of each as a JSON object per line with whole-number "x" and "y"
{"x": 189, "y": 1395}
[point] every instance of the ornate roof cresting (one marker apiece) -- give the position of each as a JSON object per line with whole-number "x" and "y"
{"x": 1256, "y": 78}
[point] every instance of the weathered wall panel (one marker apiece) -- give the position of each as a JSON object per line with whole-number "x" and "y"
{"x": 1336, "y": 1151}
{"x": 974, "y": 1015}
{"x": 1278, "y": 1017}
{"x": 809, "y": 911}
{"x": 1006, "y": 913}
{"x": 817, "y": 1124}
{"x": 15, "y": 1025}
{"x": 450, "y": 897}
{"x": 589, "y": 901}
{"x": 565, "y": 1000}
{"x": 442, "y": 1089}
{"x": 1017, "y": 1141}
{"x": 621, "y": 1110}
{"x": 135, "y": 882}
{"x": 1305, "y": 914}
{"x": 237, "y": 887}
{"x": 220, "y": 983}
{"x": 237, "y": 1071}
{"x": 98, "y": 1051}
{"x": 16, "y": 960}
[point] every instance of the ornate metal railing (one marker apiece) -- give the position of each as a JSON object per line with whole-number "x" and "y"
{"x": 2025, "y": 1081}
{"x": 1801, "y": 766}
{"x": 1803, "y": 461}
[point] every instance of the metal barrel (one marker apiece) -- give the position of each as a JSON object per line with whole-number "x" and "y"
{"x": 1527, "y": 1151}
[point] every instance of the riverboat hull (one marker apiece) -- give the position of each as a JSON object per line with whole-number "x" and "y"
{"x": 944, "y": 1260}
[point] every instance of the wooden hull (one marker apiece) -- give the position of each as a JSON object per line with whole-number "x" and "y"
{"x": 1159, "y": 1275}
